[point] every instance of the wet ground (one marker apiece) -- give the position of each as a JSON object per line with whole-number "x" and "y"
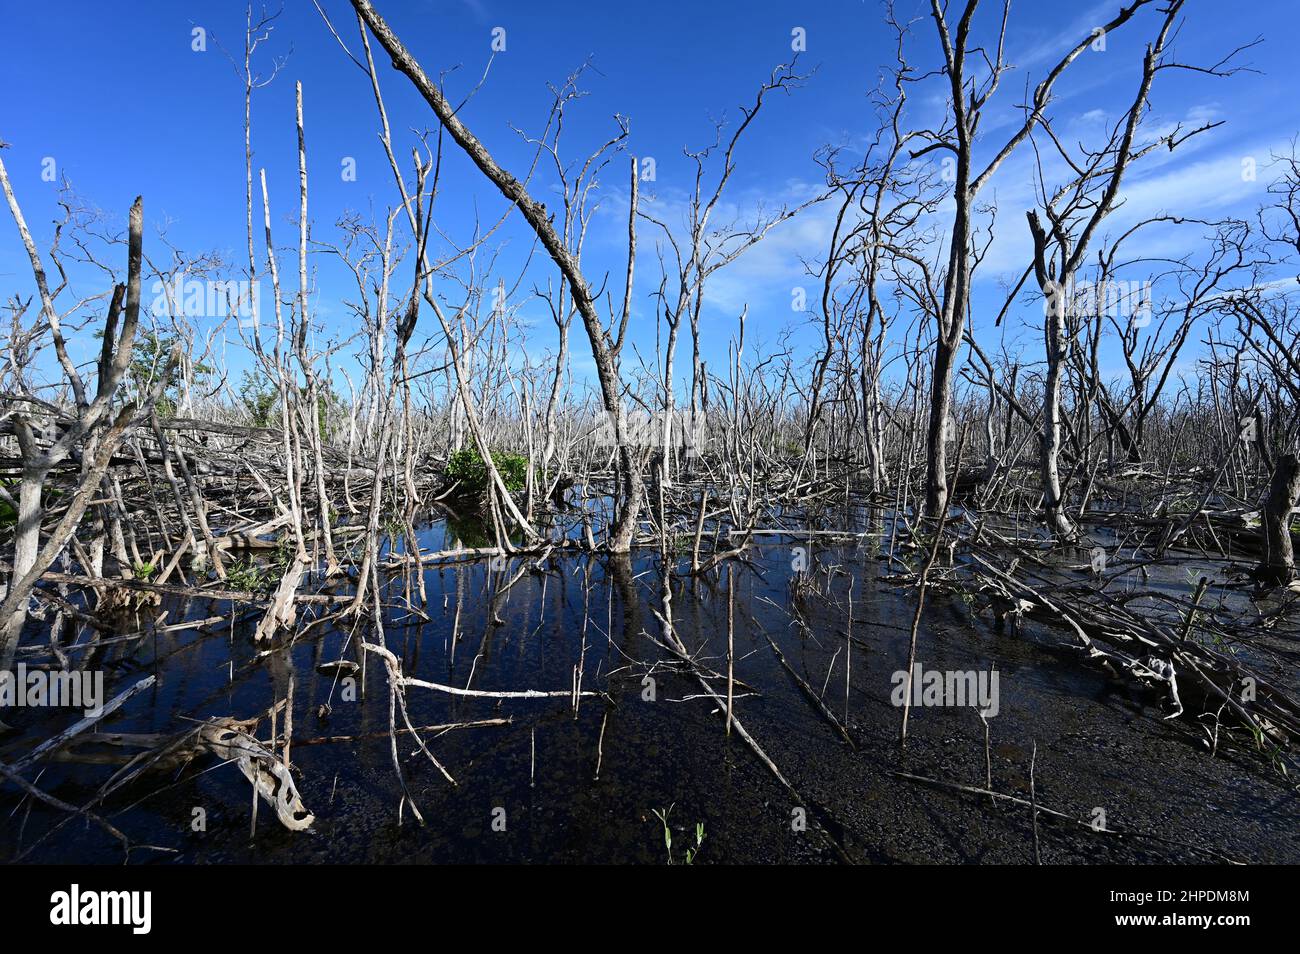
{"x": 528, "y": 791}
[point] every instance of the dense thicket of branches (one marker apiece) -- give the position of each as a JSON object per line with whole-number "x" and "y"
{"x": 154, "y": 470}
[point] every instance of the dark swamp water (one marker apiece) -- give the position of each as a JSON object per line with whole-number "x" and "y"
{"x": 1099, "y": 742}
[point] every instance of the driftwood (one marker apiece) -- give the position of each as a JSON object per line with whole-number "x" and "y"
{"x": 809, "y": 693}
{"x": 22, "y": 783}
{"x": 403, "y": 681}
{"x": 282, "y": 613}
{"x": 227, "y": 739}
{"x": 1153, "y": 653}
{"x": 55, "y": 742}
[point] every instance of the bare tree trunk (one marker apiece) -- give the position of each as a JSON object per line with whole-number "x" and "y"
{"x": 1056, "y": 294}
{"x": 1278, "y": 565}
{"x": 937, "y": 432}
{"x": 1050, "y": 439}
{"x": 965, "y": 104}
{"x": 314, "y": 395}
{"x": 98, "y": 435}
{"x": 604, "y": 350}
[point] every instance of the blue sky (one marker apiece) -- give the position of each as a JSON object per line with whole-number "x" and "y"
{"x": 124, "y": 106}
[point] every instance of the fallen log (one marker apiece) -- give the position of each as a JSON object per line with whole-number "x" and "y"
{"x": 57, "y": 741}
{"x": 269, "y": 775}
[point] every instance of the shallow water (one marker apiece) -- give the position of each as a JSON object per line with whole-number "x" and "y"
{"x": 1099, "y": 743}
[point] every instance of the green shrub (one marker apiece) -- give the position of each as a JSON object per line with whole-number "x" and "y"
{"x": 466, "y": 466}
{"x": 260, "y": 397}
{"x": 248, "y": 577}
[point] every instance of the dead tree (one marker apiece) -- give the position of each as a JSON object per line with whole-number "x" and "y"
{"x": 1277, "y": 568}
{"x": 968, "y": 96}
{"x": 93, "y": 432}
{"x": 417, "y": 204}
{"x": 1073, "y": 214}
{"x": 876, "y": 234}
{"x": 704, "y": 250}
{"x": 605, "y": 346}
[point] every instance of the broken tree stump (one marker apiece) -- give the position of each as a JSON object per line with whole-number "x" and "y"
{"x": 282, "y": 613}
{"x": 1277, "y": 568}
